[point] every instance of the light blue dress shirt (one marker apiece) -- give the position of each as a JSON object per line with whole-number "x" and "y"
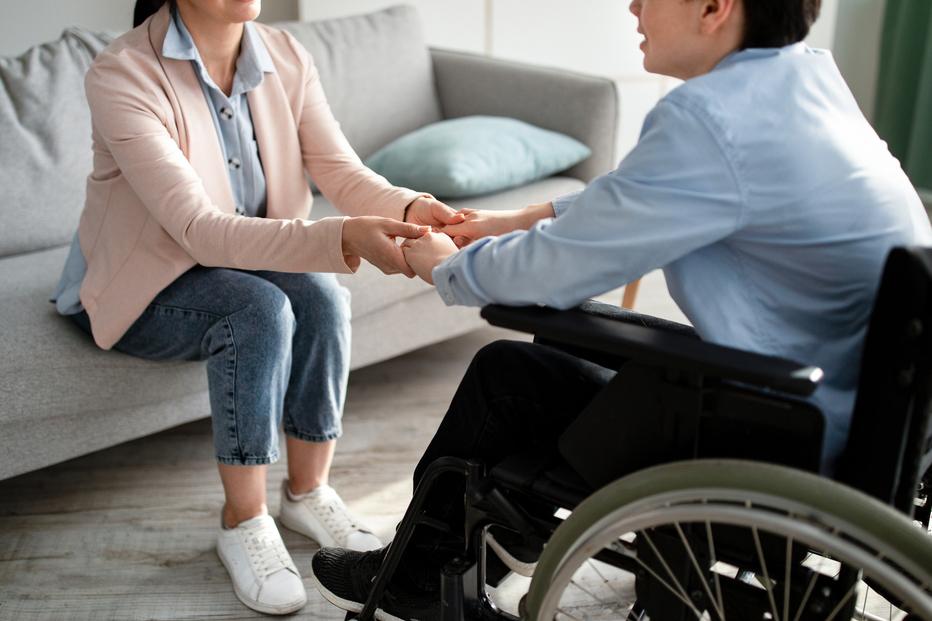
{"x": 765, "y": 196}
{"x": 233, "y": 122}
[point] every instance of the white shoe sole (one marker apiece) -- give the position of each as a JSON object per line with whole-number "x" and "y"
{"x": 345, "y": 604}
{"x": 515, "y": 565}
{"x": 268, "y": 609}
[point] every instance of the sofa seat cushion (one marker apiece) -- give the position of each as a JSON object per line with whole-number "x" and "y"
{"x": 373, "y": 291}
{"x": 50, "y": 368}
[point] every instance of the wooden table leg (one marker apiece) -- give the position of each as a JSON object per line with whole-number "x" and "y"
{"x": 631, "y": 294}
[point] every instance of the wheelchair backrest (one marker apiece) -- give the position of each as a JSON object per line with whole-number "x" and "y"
{"x": 889, "y": 446}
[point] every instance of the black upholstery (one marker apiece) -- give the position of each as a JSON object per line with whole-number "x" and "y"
{"x": 890, "y": 443}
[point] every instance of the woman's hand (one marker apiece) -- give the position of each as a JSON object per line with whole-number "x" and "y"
{"x": 484, "y": 223}
{"x": 373, "y": 239}
{"x": 426, "y": 253}
{"x": 429, "y": 211}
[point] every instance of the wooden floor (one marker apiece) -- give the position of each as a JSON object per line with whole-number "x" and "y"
{"x": 128, "y": 532}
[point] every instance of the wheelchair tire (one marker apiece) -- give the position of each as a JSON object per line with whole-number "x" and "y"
{"x": 813, "y": 512}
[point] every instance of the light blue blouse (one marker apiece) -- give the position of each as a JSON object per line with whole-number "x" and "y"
{"x": 233, "y": 122}
{"x": 766, "y": 197}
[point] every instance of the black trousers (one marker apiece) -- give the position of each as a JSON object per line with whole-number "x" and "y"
{"x": 514, "y": 397}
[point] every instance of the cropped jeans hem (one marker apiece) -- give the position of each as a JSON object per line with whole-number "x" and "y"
{"x": 249, "y": 461}
{"x": 313, "y": 437}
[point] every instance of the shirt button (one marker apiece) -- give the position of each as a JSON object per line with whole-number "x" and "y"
{"x": 235, "y": 163}
{"x": 239, "y": 210}
{"x": 226, "y": 113}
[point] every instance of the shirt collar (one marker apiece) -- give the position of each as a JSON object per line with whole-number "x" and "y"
{"x": 761, "y": 52}
{"x": 253, "y": 61}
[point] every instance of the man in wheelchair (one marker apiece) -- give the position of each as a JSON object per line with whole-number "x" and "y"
{"x": 770, "y": 203}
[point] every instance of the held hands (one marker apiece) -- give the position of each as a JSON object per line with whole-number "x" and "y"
{"x": 427, "y": 252}
{"x": 374, "y": 239}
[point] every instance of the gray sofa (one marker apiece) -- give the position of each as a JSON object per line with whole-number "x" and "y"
{"x": 60, "y": 396}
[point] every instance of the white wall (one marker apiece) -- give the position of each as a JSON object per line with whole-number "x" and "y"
{"x": 28, "y": 22}
{"x": 857, "y": 47}
{"x": 592, "y": 36}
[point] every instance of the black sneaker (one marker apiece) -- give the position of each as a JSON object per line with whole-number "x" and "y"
{"x": 345, "y": 577}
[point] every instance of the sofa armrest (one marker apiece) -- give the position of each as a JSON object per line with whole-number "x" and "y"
{"x": 578, "y": 105}
{"x": 628, "y": 337}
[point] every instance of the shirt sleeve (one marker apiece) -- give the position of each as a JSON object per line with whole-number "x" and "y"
{"x": 677, "y": 191}
{"x": 561, "y": 204}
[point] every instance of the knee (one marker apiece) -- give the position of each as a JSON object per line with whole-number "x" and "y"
{"x": 501, "y": 357}
{"x": 321, "y": 299}
{"x": 271, "y": 316}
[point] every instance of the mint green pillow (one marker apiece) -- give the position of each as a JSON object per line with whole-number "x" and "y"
{"x": 475, "y": 155}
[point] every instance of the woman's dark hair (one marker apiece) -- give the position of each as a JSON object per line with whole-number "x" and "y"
{"x": 775, "y": 23}
{"x": 146, "y": 9}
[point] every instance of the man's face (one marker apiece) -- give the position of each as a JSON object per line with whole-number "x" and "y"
{"x": 671, "y": 30}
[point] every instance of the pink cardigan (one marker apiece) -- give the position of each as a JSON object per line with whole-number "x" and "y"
{"x": 159, "y": 199}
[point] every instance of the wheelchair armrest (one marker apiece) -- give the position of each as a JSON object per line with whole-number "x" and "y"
{"x": 595, "y": 327}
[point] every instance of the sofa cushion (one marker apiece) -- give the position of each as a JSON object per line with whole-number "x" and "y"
{"x": 45, "y": 150}
{"x": 476, "y": 155}
{"x": 376, "y": 71}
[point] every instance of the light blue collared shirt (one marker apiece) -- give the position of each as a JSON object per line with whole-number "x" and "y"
{"x": 234, "y": 126}
{"x": 766, "y": 197}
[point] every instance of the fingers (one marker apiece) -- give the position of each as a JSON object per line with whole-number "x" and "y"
{"x": 446, "y": 214}
{"x": 461, "y": 242}
{"x": 396, "y": 228}
{"x": 454, "y": 230}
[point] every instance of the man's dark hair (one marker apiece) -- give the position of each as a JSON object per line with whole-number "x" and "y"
{"x": 775, "y": 23}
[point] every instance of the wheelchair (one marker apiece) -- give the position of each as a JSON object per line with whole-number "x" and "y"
{"x": 734, "y": 522}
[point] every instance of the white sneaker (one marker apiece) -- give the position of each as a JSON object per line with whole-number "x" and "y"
{"x": 322, "y": 516}
{"x": 264, "y": 576}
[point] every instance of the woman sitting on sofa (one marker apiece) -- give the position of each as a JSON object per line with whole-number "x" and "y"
{"x": 194, "y": 244}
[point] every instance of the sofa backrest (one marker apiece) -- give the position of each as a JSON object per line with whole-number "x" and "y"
{"x": 45, "y": 141}
{"x": 376, "y": 71}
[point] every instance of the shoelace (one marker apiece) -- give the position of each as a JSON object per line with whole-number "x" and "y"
{"x": 336, "y": 517}
{"x": 265, "y": 549}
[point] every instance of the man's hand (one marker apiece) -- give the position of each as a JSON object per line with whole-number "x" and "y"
{"x": 431, "y": 212}
{"x": 373, "y": 239}
{"x": 485, "y": 223}
{"x": 426, "y": 253}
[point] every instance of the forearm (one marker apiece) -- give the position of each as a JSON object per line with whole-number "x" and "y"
{"x": 532, "y": 214}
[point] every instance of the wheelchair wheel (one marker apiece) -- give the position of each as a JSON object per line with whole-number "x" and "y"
{"x": 722, "y": 539}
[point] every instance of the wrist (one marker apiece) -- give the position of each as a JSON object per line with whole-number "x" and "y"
{"x": 532, "y": 214}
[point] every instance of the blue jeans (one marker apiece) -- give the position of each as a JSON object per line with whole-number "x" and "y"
{"x": 277, "y": 348}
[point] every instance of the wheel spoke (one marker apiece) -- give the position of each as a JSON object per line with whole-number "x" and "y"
{"x": 787, "y": 575}
{"x": 699, "y": 571}
{"x": 768, "y": 584}
{"x": 606, "y": 580}
{"x": 713, "y": 560}
{"x": 852, "y": 592}
{"x": 683, "y": 594}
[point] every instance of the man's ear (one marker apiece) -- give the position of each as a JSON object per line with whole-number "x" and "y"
{"x": 717, "y": 14}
